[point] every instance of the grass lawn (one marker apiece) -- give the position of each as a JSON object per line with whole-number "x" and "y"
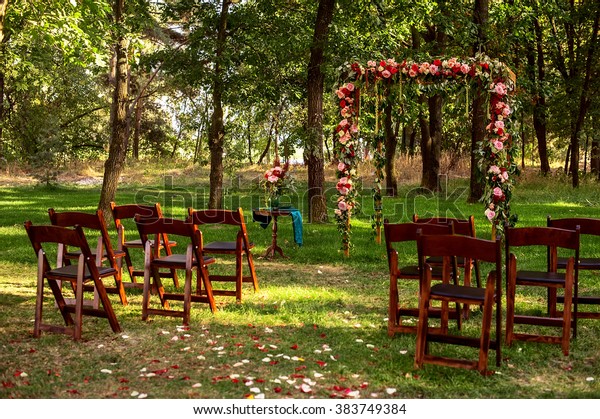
{"x": 317, "y": 327}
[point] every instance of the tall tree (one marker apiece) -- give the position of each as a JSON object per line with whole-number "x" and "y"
{"x": 3, "y": 6}
{"x": 479, "y": 118}
{"x": 115, "y": 163}
{"x": 576, "y": 64}
{"x": 216, "y": 133}
{"x": 314, "y": 141}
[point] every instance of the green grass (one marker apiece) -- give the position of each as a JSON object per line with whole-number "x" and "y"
{"x": 319, "y": 319}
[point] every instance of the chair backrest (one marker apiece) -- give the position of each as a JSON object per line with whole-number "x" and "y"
{"x": 75, "y": 237}
{"x": 129, "y": 211}
{"x": 550, "y": 237}
{"x": 404, "y": 232}
{"x": 227, "y": 217}
{"x": 463, "y": 226}
{"x": 590, "y": 226}
{"x": 90, "y": 221}
{"x": 460, "y": 246}
{"x": 169, "y": 226}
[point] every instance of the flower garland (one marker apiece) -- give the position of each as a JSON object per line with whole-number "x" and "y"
{"x": 495, "y": 154}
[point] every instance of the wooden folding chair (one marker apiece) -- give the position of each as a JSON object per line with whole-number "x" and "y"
{"x": 122, "y": 213}
{"x": 240, "y": 248}
{"x": 450, "y": 247}
{"x": 192, "y": 260}
{"x": 589, "y": 228}
{"x": 552, "y": 239}
{"x": 395, "y": 236}
{"x": 465, "y": 227}
{"x": 102, "y": 252}
{"x": 78, "y": 275}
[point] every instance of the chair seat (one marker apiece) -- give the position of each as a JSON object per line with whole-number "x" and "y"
{"x": 138, "y": 243}
{"x": 458, "y": 292}
{"x": 556, "y": 278}
{"x": 179, "y": 259}
{"x": 413, "y": 270}
{"x": 70, "y": 271}
{"x": 584, "y": 263}
{"x": 224, "y": 247}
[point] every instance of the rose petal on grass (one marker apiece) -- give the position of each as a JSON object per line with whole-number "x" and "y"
{"x": 359, "y": 341}
{"x": 589, "y": 379}
{"x": 403, "y": 352}
{"x": 201, "y": 357}
{"x": 106, "y": 371}
{"x": 197, "y": 385}
{"x": 135, "y": 393}
{"x": 305, "y": 388}
{"x": 255, "y": 390}
{"x": 142, "y": 396}
{"x": 125, "y": 336}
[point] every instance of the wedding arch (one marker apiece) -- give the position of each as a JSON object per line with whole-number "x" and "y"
{"x": 495, "y": 155}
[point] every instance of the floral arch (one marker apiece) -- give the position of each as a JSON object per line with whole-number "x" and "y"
{"x": 495, "y": 153}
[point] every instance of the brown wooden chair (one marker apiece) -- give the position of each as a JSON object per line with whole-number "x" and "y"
{"x": 241, "y": 248}
{"x": 552, "y": 239}
{"x": 102, "y": 252}
{"x": 84, "y": 272}
{"x": 589, "y": 228}
{"x": 192, "y": 260}
{"x": 397, "y": 236}
{"x": 465, "y": 227}
{"x": 450, "y": 247}
{"x": 120, "y": 214}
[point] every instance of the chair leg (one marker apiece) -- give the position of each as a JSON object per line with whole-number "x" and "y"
{"x": 208, "y": 288}
{"x": 510, "y": 300}
{"x": 79, "y": 299}
{"x": 568, "y": 304}
{"x": 187, "y": 296}
{"x": 39, "y": 301}
{"x": 252, "y": 270}
{"x": 238, "y": 277}
{"x": 422, "y": 325}
{"x": 486, "y": 324}
{"x": 146, "y": 291}
{"x": 393, "y": 305}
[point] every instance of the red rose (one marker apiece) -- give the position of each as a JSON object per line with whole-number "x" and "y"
{"x": 437, "y": 63}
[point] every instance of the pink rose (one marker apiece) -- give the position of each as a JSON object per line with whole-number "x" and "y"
{"x": 342, "y": 206}
{"x": 498, "y": 192}
{"x": 344, "y": 138}
{"x": 350, "y": 87}
{"x": 354, "y": 128}
{"x": 505, "y": 175}
{"x": 465, "y": 68}
{"x": 494, "y": 169}
{"x": 412, "y": 73}
{"x": 499, "y": 145}
{"x": 341, "y": 166}
{"x": 490, "y": 214}
{"x": 343, "y": 122}
{"x": 433, "y": 68}
{"x": 500, "y": 89}
{"x": 386, "y": 74}
{"x": 499, "y": 124}
{"x": 273, "y": 179}
{"x": 340, "y": 94}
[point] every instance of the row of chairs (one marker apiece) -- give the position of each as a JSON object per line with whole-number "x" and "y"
{"x": 444, "y": 244}
{"x": 93, "y": 265}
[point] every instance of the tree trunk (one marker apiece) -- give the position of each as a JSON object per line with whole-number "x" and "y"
{"x": 216, "y": 134}
{"x": 426, "y": 147}
{"x": 595, "y": 157}
{"x": 317, "y": 207}
{"x": 431, "y": 170}
{"x": 249, "y": 133}
{"x": 479, "y": 114}
{"x": 391, "y": 141}
{"x": 113, "y": 167}
{"x": 3, "y": 7}
{"x": 137, "y": 129}
{"x": 539, "y": 108}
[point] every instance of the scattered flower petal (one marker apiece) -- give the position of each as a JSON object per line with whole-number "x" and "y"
{"x": 589, "y": 379}
{"x": 390, "y": 390}
{"x": 305, "y": 388}
{"x": 106, "y": 371}
{"x": 197, "y": 385}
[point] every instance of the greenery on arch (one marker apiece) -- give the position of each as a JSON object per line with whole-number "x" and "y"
{"x": 495, "y": 155}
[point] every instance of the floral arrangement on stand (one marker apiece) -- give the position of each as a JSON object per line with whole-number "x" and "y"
{"x": 495, "y": 154}
{"x": 276, "y": 182}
